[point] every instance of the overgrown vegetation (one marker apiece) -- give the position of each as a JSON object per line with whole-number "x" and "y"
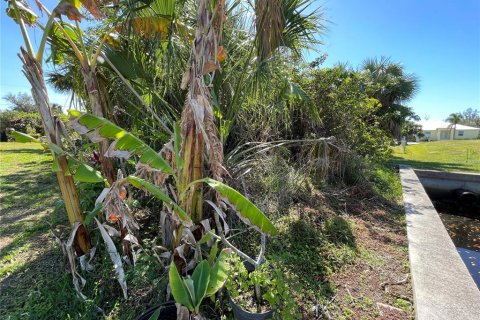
{"x": 179, "y": 107}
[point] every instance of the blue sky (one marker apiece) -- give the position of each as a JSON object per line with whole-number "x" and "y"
{"x": 439, "y": 41}
{"x": 11, "y": 76}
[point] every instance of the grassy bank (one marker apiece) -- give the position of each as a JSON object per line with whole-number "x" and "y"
{"x": 342, "y": 250}
{"x": 459, "y": 155}
{"x": 33, "y": 284}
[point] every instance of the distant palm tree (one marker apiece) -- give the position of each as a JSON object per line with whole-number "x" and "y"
{"x": 454, "y": 119}
{"x": 392, "y": 87}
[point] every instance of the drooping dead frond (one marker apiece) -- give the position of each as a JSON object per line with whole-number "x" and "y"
{"x": 117, "y": 212}
{"x": 115, "y": 257}
{"x": 197, "y": 122}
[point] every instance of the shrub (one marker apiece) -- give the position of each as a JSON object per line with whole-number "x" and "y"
{"x": 339, "y": 231}
{"x": 25, "y": 122}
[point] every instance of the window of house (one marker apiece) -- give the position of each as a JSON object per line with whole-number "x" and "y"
{"x": 427, "y": 133}
{"x": 460, "y": 133}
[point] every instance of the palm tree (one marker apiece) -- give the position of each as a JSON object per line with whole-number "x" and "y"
{"x": 454, "y": 119}
{"x": 392, "y": 87}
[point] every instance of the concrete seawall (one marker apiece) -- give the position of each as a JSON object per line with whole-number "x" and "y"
{"x": 442, "y": 285}
{"x": 440, "y": 183}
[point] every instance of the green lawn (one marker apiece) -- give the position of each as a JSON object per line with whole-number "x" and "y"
{"x": 33, "y": 284}
{"x": 441, "y": 155}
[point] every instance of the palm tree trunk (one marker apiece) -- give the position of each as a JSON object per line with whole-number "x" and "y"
{"x": 34, "y": 73}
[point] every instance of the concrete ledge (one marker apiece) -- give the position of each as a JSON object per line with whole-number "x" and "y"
{"x": 442, "y": 285}
{"x": 440, "y": 183}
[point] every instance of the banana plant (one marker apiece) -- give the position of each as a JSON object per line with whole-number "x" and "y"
{"x": 126, "y": 144}
{"x": 206, "y": 280}
{"x": 68, "y": 38}
{"x": 23, "y": 15}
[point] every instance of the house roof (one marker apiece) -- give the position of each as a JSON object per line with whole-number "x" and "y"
{"x": 431, "y": 125}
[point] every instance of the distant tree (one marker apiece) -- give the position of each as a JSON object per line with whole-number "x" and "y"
{"x": 411, "y": 130}
{"x": 471, "y": 117}
{"x": 454, "y": 119}
{"x": 388, "y": 82}
{"x": 20, "y": 102}
{"x": 56, "y": 108}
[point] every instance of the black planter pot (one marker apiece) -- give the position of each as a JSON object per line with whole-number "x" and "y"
{"x": 250, "y": 267}
{"x": 241, "y": 314}
{"x": 168, "y": 312}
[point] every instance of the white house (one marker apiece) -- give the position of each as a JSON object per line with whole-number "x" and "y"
{"x": 441, "y": 130}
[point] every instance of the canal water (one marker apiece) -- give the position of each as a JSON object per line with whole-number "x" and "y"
{"x": 462, "y": 222}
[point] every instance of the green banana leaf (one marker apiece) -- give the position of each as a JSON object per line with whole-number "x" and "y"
{"x": 154, "y": 190}
{"x": 246, "y": 209}
{"x": 201, "y": 279}
{"x": 206, "y": 237}
{"x": 218, "y": 273}
{"x": 85, "y": 173}
{"x": 213, "y": 253}
{"x": 87, "y": 123}
{"x": 191, "y": 290}
{"x": 23, "y": 137}
{"x": 178, "y": 287}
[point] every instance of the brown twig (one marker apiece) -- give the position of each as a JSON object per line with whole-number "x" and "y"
{"x": 384, "y": 284}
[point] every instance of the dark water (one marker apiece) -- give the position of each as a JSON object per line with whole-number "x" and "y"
{"x": 464, "y": 231}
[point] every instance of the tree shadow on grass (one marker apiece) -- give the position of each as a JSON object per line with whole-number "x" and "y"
{"x": 27, "y": 194}
{"x": 24, "y": 150}
{"x": 41, "y": 289}
{"x": 25, "y": 189}
{"x": 432, "y": 165}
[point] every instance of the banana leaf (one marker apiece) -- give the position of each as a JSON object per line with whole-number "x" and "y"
{"x": 159, "y": 194}
{"x": 201, "y": 278}
{"x": 178, "y": 287}
{"x": 218, "y": 273}
{"x": 23, "y": 137}
{"x": 98, "y": 128}
{"x": 247, "y": 211}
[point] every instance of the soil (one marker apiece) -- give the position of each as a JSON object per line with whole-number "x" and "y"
{"x": 377, "y": 284}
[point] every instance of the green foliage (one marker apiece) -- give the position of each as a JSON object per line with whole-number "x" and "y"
{"x": 85, "y": 173}
{"x": 29, "y": 123}
{"x": 275, "y": 291}
{"x": 22, "y": 137}
{"x": 159, "y": 194}
{"x": 471, "y": 117}
{"x": 244, "y": 207}
{"x": 339, "y": 231}
{"x": 125, "y": 141}
{"x": 205, "y": 281}
{"x": 385, "y": 182}
{"x": 345, "y": 111}
{"x": 21, "y": 102}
